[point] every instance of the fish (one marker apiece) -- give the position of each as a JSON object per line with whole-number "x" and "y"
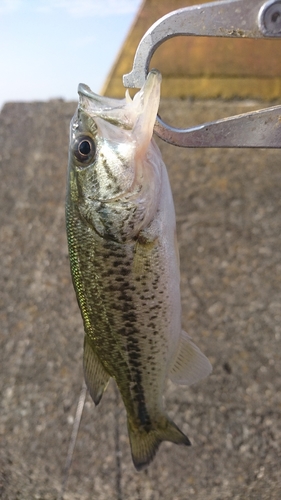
{"x": 124, "y": 260}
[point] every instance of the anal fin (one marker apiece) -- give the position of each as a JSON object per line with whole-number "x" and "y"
{"x": 189, "y": 364}
{"x": 96, "y": 377}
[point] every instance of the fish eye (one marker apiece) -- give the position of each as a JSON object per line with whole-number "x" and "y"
{"x": 84, "y": 149}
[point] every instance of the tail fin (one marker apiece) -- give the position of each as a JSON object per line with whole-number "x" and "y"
{"x": 144, "y": 444}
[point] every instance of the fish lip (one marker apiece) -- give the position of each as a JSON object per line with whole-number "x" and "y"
{"x": 105, "y": 103}
{"x": 85, "y": 90}
{"x": 106, "y": 108}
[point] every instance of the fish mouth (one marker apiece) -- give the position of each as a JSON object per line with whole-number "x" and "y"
{"x": 98, "y": 103}
{"x": 114, "y": 111}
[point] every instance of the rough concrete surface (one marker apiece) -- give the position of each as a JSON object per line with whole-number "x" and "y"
{"x": 228, "y": 208}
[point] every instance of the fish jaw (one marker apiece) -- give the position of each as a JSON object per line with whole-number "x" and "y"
{"x": 123, "y": 177}
{"x": 135, "y": 115}
{"x": 126, "y": 126}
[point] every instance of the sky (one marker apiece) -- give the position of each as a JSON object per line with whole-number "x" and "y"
{"x": 47, "y": 47}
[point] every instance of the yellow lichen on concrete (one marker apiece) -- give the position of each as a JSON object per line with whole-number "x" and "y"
{"x": 226, "y": 88}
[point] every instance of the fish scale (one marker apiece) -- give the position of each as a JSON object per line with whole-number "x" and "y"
{"x": 123, "y": 308}
{"x": 124, "y": 263}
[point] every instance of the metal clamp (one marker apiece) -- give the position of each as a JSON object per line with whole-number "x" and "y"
{"x": 227, "y": 18}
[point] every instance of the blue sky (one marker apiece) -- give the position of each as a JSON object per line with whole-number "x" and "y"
{"x": 47, "y": 47}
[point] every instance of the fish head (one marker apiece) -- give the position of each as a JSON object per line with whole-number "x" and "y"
{"x": 112, "y": 158}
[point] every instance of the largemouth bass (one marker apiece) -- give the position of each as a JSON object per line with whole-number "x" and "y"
{"x": 124, "y": 262}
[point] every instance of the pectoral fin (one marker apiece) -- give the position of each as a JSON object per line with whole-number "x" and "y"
{"x": 189, "y": 364}
{"x": 96, "y": 377}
